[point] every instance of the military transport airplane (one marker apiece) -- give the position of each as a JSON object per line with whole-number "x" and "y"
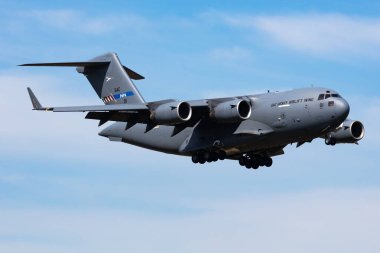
{"x": 248, "y": 128}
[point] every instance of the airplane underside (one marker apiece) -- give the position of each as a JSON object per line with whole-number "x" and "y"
{"x": 252, "y": 151}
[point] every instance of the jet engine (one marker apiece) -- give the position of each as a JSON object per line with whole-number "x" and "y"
{"x": 171, "y": 113}
{"x": 350, "y": 131}
{"x": 231, "y": 111}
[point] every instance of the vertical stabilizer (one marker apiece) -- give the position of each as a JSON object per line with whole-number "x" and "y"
{"x": 111, "y": 80}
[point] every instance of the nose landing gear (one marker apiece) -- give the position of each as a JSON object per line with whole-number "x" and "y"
{"x": 330, "y": 141}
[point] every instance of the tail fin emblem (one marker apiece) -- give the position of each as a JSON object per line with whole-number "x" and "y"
{"x": 108, "y": 99}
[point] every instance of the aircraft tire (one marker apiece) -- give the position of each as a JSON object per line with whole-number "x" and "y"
{"x": 268, "y": 161}
{"x": 214, "y": 157}
{"x": 207, "y": 157}
{"x": 261, "y": 160}
{"x": 242, "y": 160}
{"x": 330, "y": 141}
{"x": 248, "y": 163}
{"x": 195, "y": 158}
{"x": 255, "y": 164}
{"x": 222, "y": 155}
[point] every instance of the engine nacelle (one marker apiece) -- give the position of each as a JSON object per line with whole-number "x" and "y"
{"x": 171, "y": 113}
{"x": 351, "y": 131}
{"x": 232, "y": 111}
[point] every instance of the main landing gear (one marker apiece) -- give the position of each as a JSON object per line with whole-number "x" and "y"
{"x": 255, "y": 161}
{"x": 213, "y": 156}
{"x": 330, "y": 141}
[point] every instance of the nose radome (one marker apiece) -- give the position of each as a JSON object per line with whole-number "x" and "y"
{"x": 342, "y": 107}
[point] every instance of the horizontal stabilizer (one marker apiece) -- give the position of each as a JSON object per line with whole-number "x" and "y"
{"x": 67, "y": 64}
{"x": 132, "y": 74}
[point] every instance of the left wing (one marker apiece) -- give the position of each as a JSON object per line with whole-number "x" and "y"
{"x": 92, "y": 108}
{"x": 145, "y": 114}
{"x": 130, "y": 113}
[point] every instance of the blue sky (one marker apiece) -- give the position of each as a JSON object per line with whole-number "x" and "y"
{"x": 65, "y": 189}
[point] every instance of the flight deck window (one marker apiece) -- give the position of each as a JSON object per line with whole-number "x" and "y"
{"x": 335, "y": 95}
{"x": 321, "y": 96}
{"x": 327, "y": 96}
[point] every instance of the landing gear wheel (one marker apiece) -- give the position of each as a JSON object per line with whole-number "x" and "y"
{"x": 214, "y": 157}
{"x": 222, "y": 155}
{"x": 255, "y": 165}
{"x": 195, "y": 158}
{"x": 330, "y": 141}
{"x": 208, "y": 157}
{"x": 201, "y": 158}
{"x": 268, "y": 162}
{"x": 261, "y": 160}
{"x": 248, "y": 163}
{"x": 242, "y": 160}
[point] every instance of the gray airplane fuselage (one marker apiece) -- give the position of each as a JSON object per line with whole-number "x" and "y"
{"x": 248, "y": 128}
{"x": 295, "y": 116}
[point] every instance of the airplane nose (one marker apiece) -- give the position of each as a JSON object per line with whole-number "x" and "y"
{"x": 342, "y": 107}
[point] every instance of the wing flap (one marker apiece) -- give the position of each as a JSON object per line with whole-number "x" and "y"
{"x": 119, "y": 116}
{"x": 102, "y": 108}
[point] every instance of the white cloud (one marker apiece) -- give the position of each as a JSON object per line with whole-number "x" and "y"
{"x": 234, "y": 54}
{"x": 344, "y": 220}
{"x": 315, "y": 34}
{"x": 75, "y": 21}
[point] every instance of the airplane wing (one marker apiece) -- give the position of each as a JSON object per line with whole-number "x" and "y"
{"x": 130, "y": 113}
{"x": 98, "y": 108}
{"x": 141, "y": 113}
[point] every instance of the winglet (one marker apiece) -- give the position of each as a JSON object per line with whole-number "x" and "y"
{"x": 36, "y": 104}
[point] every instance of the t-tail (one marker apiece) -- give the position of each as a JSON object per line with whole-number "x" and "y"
{"x": 110, "y": 79}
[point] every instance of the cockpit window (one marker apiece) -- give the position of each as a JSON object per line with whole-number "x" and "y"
{"x": 327, "y": 95}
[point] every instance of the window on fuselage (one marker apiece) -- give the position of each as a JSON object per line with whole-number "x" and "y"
{"x": 335, "y": 95}
{"x": 321, "y": 96}
{"x": 327, "y": 96}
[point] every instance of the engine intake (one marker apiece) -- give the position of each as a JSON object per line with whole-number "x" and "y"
{"x": 351, "y": 131}
{"x": 171, "y": 113}
{"x": 232, "y": 111}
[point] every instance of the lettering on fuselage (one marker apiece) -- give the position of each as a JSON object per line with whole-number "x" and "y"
{"x": 294, "y": 101}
